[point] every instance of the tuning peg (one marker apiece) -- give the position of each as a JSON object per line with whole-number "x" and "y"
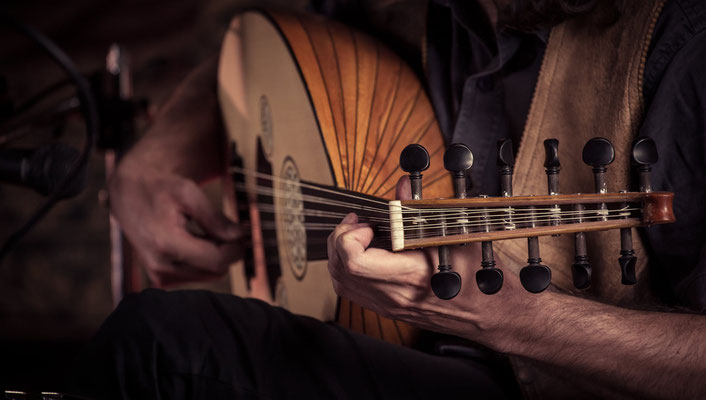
{"x": 627, "y": 259}
{"x": 644, "y": 154}
{"x": 598, "y": 153}
{"x": 581, "y": 268}
{"x": 506, "y": 164}
{"x": 552, "y": 168}
{"x": 414, "y": 159}
{"x": 458, "y": 159}
{"x": 489, "y": 279}
{"x": 535, "y": 277}
{"x": 552, "y": 165}
{"x": 446, "y": 283}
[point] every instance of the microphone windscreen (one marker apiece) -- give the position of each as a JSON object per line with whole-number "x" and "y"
{"x": 50, "y": 165}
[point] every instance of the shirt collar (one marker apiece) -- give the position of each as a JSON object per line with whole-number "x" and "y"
{"x": 507, "y": 41}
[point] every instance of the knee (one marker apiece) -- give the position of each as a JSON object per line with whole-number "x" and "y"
{"x": 152, "y": 312}
{"x": 137, "y": 310}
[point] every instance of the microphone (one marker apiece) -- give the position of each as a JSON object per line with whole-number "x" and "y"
{"x": 42, "y": 169}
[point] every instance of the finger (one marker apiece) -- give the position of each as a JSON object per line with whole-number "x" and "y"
{"x": 353, "y": 242}
{"x": 201, "y": 253}
{"x": 200, "y": 209}
{"x": 383, "y": 265}
{"x": 331, "y": 242}
{"x": 335, "y": 268}
{"x": 403, "y": 190}
{"x": 344, "y": 226}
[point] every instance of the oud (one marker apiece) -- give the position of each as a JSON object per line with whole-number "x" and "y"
{"x": 319, "y": 120}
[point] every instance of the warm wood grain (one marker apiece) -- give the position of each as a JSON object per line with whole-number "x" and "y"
{"x": 657, "y": 200}
{"x": 656, "y": 208}
{"x": 369, "y": 106}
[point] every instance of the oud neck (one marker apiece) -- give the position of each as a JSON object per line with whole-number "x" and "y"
{"x": 430, "y": 223}
{"x": 320, "y": 208}
{"x": 369, "y": 209}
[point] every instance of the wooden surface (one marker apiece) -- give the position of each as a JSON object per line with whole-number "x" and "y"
{"x": 662, "y": 198}
{"x": 369, "y": 106}
{"x": 655, "y": 208}
{"x": 362, "y": 106}
{"x": 522, "y": 233}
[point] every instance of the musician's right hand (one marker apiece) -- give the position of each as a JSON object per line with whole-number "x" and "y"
{"x": 155, "y": 209}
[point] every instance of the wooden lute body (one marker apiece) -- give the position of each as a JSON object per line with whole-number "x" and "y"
{"x": 309, "y": 102}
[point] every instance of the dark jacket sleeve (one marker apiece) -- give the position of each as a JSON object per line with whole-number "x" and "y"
{"x": 676, "y": 120}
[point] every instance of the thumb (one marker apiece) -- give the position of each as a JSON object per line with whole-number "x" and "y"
{"x": 404, "y": 188}
{"x": 211, "y": 220}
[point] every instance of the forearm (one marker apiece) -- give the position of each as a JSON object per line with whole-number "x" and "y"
{"x": 186, "y": 137}
{"x": 645, "y": 354}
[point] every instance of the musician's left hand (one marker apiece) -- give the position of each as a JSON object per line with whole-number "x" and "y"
{"x": 397, "y": 285}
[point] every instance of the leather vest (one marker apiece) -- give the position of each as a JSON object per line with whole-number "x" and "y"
{"x": 590, "y": 84}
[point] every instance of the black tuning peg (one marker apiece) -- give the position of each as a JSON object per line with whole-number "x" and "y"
{"x": 644, "y": 154}
{"x": 598, "y": 153}
{"x": 446, "y": 283}
{"x": 458, "y": 159}
{"x": 414, "y": 159}
{"x": 490, "y": 279}
{"x": 535, "y": 277}
{"x": 581, "y": 268}
{"x": 552, "y": 165}
{"x": 506, "y": 164}
{"x": 627, "y": 259}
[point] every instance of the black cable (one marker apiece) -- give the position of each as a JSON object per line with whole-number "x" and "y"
{"x": 88, "y": 107}
{"x": 16, "y": 130}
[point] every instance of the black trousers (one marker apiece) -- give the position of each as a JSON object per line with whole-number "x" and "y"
{"x": 196, "y": 344}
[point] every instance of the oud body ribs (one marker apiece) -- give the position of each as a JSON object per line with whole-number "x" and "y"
{"x": 329, "y": 110}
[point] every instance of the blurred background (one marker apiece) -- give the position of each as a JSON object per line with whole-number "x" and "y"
{"x": 55, "y": 286}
